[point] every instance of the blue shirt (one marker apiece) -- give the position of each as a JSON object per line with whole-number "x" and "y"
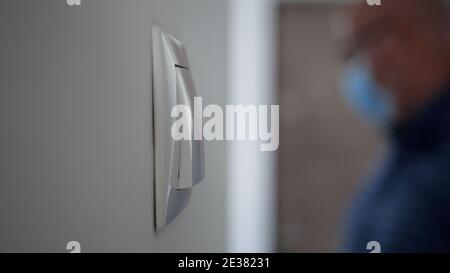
{"x": 406, "y": 205}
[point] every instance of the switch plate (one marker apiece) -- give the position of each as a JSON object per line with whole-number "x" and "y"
{"x": 179, "y": 165}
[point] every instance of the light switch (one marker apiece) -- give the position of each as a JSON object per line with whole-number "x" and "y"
{"x": 179, "y": 165}
{"x": 191, "y": 152}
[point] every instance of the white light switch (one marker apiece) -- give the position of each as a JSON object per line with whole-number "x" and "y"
{"x": 179, "y": 165}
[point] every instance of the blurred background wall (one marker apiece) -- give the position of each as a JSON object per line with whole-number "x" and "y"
{"x": 324, "y": 149}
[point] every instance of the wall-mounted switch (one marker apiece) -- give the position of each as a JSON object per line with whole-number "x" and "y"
{"x": 179, "y": 164}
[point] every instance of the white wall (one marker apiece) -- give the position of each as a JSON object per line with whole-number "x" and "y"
{"x": 76, "y": 159}
{"x": 252, "y": 173}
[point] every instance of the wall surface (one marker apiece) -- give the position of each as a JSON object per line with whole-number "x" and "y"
{"x": 325, "y": 150}
{"x": 76, "y": 160}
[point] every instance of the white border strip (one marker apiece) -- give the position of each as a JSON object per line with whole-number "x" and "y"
{"x": 252, "y": 173}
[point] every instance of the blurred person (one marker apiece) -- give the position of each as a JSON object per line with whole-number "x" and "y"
{"x": 398, "y": 77}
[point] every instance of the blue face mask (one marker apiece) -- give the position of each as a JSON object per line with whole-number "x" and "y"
{"x": 365, "y": 96}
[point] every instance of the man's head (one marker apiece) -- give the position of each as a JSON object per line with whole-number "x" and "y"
{"x": 406, "y": 44}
